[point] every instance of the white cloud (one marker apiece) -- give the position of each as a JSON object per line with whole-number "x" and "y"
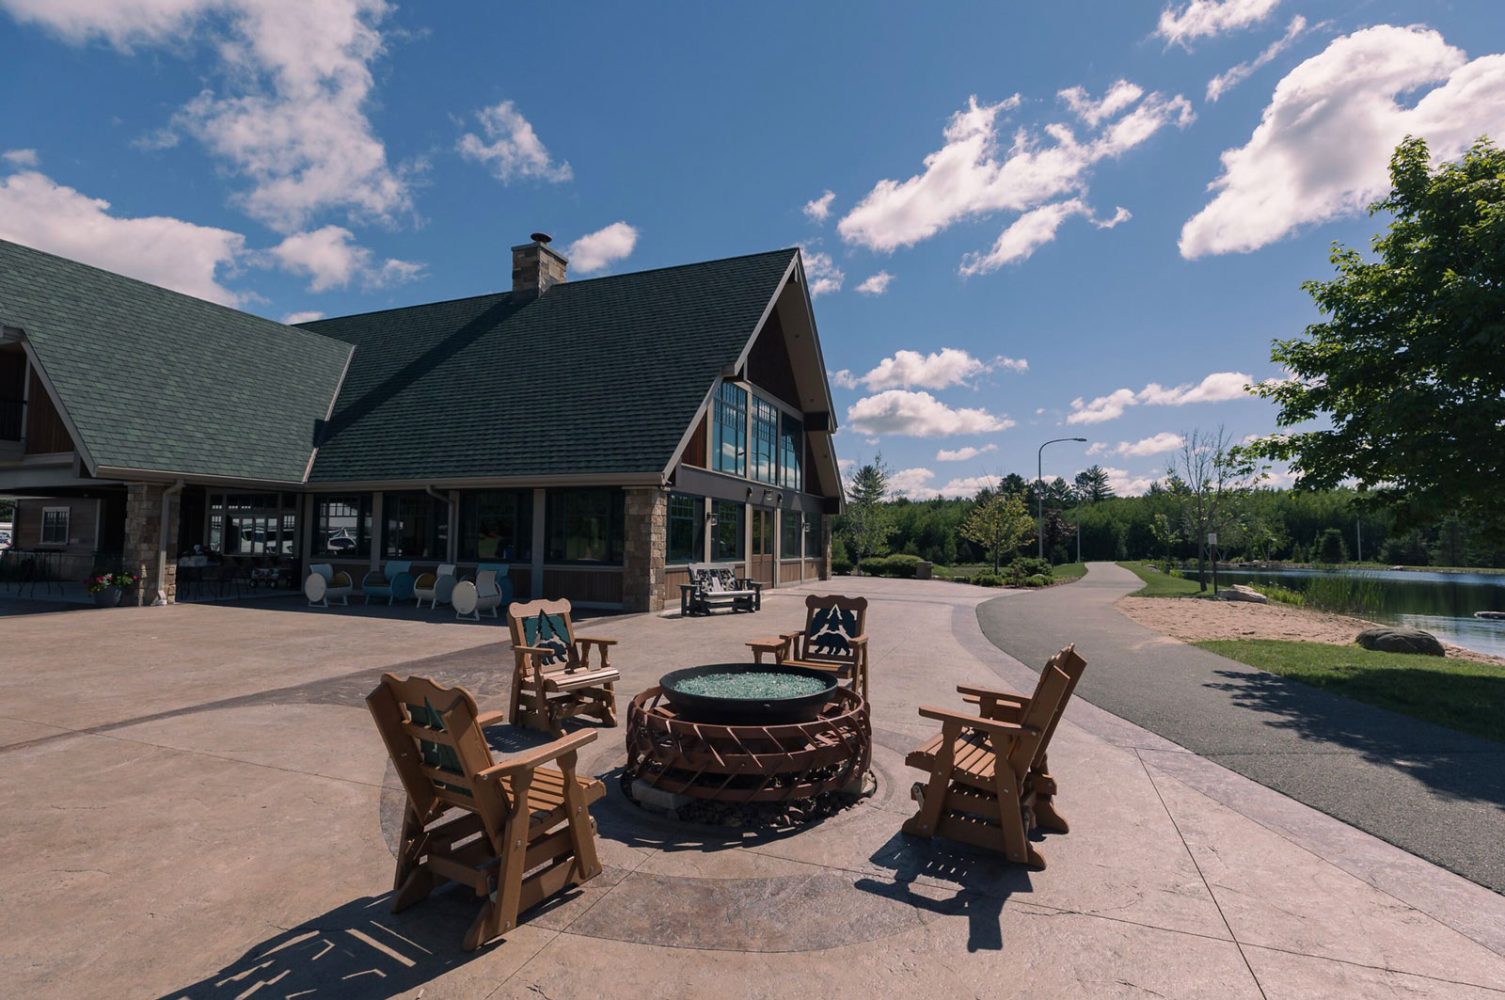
{"x": 1156, "y": 444}
{"x": 330, "y": 258}
{"x": 967, "y": 486}
{"x": 1031, "y": 231}
{"x": 973, "y": 175}
{"x": 910, "y": 369}
{"x": 39, "y": 212}
{"x": 877, "y": 284}
{"x": 907, "y": 482}
{"x": 1119, "y": 96}
{"x": 821, "y": 271}
{"x": 1235, "y": 75}
{"x": 963, "y": 454}
{"x": 1208, "y": 18}
{"x": 21, "y": 158}
{"x": 1323, "y": 145}
{"x": 1219, "y": 387}
{"x": 919, "y": 414}
{"x": 595, "y": 251}
{"x": 290, "y": 116}
{"x": 304, "y": 316}
{"x": 819, "y": 209}
{"x": 1126, "y": 485}
{"x": 511, "y": 148}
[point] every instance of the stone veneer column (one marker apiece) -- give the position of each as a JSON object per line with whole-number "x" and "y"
{"x": 645, "y": 524}
{"x": 143, "y": 539}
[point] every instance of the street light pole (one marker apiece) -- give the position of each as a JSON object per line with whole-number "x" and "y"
{"x": 1040, "y": 489}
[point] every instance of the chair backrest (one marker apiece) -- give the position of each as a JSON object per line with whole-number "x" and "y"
{"x": 831, "y": 622}
{"x": 395, "y": 566}
{"x": 1057, "y": 682}
{"x": 544, "y": 625}
{"x": 325, "y": 570}
{"x": 436, "y": 746}
{"x": 486, "y": 583}
{"x": 445, "y": 569}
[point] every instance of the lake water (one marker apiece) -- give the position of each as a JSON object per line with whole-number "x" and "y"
{"x": 1441, "y": 603}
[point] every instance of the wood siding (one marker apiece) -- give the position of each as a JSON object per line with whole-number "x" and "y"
{"x": 769, "y": 366}
{"x": 789, "y": 571}
{"x": 588, "y": 586}
{"x": 83, "y": 524}
{"x": 695, "y": 451}
{"x": 45, "y": 432}
{"x": 812, "y": 570}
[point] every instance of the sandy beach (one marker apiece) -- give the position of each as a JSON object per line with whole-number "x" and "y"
{"x": 1198, "y": 620}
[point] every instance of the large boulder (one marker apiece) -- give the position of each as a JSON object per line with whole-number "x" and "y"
{"x": 1400, "y": 640}
{"x": 1239, "y": 592}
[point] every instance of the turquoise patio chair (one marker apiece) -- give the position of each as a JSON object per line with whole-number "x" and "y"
{"x": 394, "y": 581}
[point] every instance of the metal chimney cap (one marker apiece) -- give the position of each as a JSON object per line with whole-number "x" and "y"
{"x": 543, "y": 238}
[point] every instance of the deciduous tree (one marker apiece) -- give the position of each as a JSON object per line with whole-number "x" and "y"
{"x": 999, "y": 524}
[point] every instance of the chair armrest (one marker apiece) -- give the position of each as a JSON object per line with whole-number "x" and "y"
{"x": 535, "y": 650}
{"x": 978, "y": 692}
{"x": 491, "y": 718}
{"x": 586, "y": 639}
{"x": 990, "y": 726}
{"x": 857, "y": 640}
{"x": 542, "y": 755}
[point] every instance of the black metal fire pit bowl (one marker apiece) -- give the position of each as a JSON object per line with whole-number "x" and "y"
{"x": 749, "y": 711}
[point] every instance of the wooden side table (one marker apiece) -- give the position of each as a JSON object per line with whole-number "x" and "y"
{"x": 773, "y": 644}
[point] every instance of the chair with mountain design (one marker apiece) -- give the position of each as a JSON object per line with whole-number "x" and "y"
{"x": 553, "y": 677}
{"x": 515, "y": 831}
{"x": 989, "y": 785}
{"x": 834, "y": 639}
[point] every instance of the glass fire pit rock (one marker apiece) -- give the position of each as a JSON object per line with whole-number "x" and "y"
{"x": 748, "y": 692}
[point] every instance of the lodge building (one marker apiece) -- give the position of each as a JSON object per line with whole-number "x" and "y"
{"x": 595, "y": 436}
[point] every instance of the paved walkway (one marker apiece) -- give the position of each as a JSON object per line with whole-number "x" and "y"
{"x": 197, "y": 805}
{"x": 1435, "y": 792}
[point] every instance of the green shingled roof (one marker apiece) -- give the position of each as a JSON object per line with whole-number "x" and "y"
{"x": 593, "y": 377}
{"x": 160, "y": 381}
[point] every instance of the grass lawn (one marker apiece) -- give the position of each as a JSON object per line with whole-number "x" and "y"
{"x": 1066, "y": 572}
{"x": 1158, "y": 584}
{"x": 1458, "y": 694}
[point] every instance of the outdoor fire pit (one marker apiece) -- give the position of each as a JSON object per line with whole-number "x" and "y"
{"x": 744, "y": 743}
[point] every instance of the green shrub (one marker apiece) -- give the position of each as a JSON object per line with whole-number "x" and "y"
{"x": 901, "y": 565}
{"x": 841, "y": 567}
{"x": 871, "y": 566}
{"x": 1279, "y": 594}
{"x": 1038, "y": 580}
{"x": 987, "y": 580}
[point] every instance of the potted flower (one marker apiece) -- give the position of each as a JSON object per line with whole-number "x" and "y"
{"x": 108, "y": 588}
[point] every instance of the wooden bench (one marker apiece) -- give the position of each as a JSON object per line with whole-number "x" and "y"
{"x": 531, "y": 811}
{"x": 553, "y": 677}
{"x": 989, "y": 785}
{"x": 712, "y": 588}
{"x": 834, "y": 639}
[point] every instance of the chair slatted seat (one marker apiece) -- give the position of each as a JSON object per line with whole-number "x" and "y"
{"x": 834, "y": 639}
{"x": 515, "y": 831}
{"x": 555, "y": 675}
{"x": 989, "y": 782}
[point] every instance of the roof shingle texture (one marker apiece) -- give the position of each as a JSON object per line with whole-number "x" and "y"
{"x": 157, "y": 380}
{"x": 593, "y": 377}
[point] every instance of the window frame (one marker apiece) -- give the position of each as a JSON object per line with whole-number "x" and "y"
{"x": 467, "y": 548}
{"x": 615, "y": 537}
{"x": 362, "y": 505}
{"x": 67, "y": 513}
{"x": 785, "y": 480}
{"x": 719, "y": 509}
{"x": 438, "y": 539}
{"x": 788, "y": 518}
{"x": 730, "y": 427}
{"x": 695, "y": 515}
{"x": 763, "y": 440}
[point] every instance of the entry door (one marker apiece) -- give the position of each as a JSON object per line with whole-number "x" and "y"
{"x": 762, "y": 546}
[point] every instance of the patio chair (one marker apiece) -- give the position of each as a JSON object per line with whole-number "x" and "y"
{"x": 713, "y": 588}
{"x": 470, "y": 599}
{"x": 436, "y": 586}
{"x": 988, "y": 783}
{"x": 531, "y": 811}
{"x": 503, "y": 573}
{"x": 394, "y": 581}
{"x": 552, "y": 674}
{"x": 834, "y": 639}
{"x": 325, "y": 584}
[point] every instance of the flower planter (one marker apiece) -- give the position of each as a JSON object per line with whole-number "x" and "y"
{"x": 107, "y": 598}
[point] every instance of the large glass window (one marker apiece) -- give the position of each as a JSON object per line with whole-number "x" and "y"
{"x": 417, "y": 526}
{"x": 685, "y": 534}
{"x": 791, "y": 450}
{"x": 791, "y": 534}
{"x": 765, "y": 441}
{"x": 496, "y": 526}
{"x": 342, "y": 526}
{"x": 253, "y": 524}
{"x": 731, "y": 430}
{"x": 726, "y": 534}
{"x": 585, "y": 525}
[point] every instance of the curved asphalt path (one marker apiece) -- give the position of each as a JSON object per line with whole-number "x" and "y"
{"x": 1434, "y": 792}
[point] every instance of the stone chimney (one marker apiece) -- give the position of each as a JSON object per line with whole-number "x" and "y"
{"x": 535, "y": 268}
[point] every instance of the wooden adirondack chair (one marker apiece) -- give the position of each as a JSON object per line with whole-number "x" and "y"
{"x": 834, "y": 639}
{"x": 988, "y": 782}
{"x": 553, "y": 677}
{"x": 531, "y": 811}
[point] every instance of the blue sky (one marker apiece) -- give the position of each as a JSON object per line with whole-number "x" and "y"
{"x": 1078, "y": 238}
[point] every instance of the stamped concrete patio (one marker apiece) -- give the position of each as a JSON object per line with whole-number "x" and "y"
{"x": 197, "y": 804}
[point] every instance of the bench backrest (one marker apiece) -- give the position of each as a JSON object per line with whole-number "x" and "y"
{"x": 831, "y": 622}
{"x": 545, "y": 625}
{"x": 714, "y": 579}
{"x": 1052, "y": 692}
{"x": 436, "y": 745}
